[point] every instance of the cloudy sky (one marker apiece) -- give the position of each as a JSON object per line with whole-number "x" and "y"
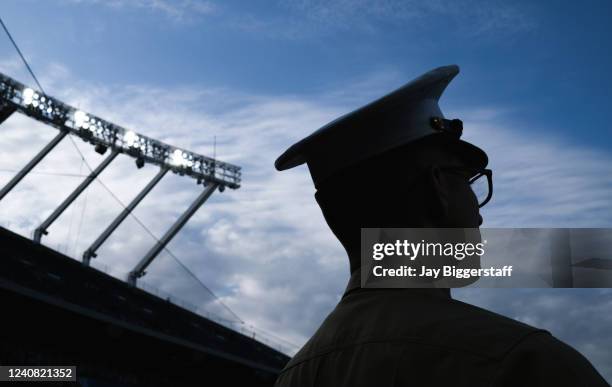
{"x": 533, "y": 91}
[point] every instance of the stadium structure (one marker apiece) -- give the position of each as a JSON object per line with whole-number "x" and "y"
{"x": 59, "y": 311}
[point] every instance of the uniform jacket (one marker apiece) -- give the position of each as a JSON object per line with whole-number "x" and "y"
{"x": 422, "y": 337}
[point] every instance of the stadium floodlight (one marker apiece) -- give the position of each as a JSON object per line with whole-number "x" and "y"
{"x": 80, "y": 118}
{"x": 130, "y": 139}
{"x": 95, "y": 130}
{"x": 27, "y": 96}
{"x": 177, "y": 157}
{"x": 181, "y": 159}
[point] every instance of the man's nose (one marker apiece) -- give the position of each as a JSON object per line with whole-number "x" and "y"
{"x": 479, "y": 220}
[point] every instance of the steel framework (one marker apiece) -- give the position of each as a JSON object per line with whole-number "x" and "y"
{"x": 211, "y": 173}
{"x": 15, "y": 96}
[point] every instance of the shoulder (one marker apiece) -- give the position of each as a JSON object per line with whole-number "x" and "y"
{"x": 446, "y": 324}
{"x": 542, "y": 360}
{"x": 481, "y": 331}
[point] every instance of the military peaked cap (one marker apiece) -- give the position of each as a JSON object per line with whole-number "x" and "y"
{"x": 401, "y": 117}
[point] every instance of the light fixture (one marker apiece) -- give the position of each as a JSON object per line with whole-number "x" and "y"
{"x": 140, "y": 162}
{"x": 27, "y": 95}
{"x": 101, "y": 149}
{"x": 80, "y": 118}
{"x": 177, "y": 158}
{"x": 130, "y": 138}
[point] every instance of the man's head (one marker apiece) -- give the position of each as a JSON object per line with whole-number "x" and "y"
{"x": 422, "y": 184}
{"x": 395, "y": 162}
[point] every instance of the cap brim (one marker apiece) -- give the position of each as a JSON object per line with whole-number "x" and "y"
{"x": 470, "y": 153}
{"x": 292, "y": 157}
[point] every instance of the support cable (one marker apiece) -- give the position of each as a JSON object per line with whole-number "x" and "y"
{"x": 50, "y": 173}
{"x": 21, "y": 55}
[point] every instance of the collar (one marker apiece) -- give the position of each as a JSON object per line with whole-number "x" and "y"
{"x": 354, "y": 284}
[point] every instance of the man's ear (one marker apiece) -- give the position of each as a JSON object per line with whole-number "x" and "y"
{"x": 438, "y": 193}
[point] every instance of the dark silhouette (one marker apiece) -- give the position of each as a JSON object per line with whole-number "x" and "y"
{"x": 398, "y": 163}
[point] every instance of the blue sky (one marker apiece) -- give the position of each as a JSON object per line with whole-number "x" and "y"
{"x": 547, "y": 61}
{"x": 533, "y": 91}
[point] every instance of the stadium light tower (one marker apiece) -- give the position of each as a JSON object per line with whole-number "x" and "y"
{"x": 103, "y": 135}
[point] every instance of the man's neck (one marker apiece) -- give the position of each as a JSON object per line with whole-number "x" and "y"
{"x": 354, "y": 286}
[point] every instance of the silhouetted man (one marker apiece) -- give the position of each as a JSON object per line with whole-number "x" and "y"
{"x": 398, "y": 162}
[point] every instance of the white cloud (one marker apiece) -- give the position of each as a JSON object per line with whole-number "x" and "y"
{"x": 307, "y": 18}
{"x": 175, "y": 9}
{"x": 265, "y": 248}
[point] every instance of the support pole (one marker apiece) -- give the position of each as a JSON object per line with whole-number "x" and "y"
{"x": 21, "y": 174}
{"x": 42, "y": 229}
{"x": 139, "y": 270}
{"x": 91, "y": 251}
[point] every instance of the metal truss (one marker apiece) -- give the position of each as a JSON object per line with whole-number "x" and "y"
{"x": 103, "y": 135}
{"x": 17, "y": 97}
